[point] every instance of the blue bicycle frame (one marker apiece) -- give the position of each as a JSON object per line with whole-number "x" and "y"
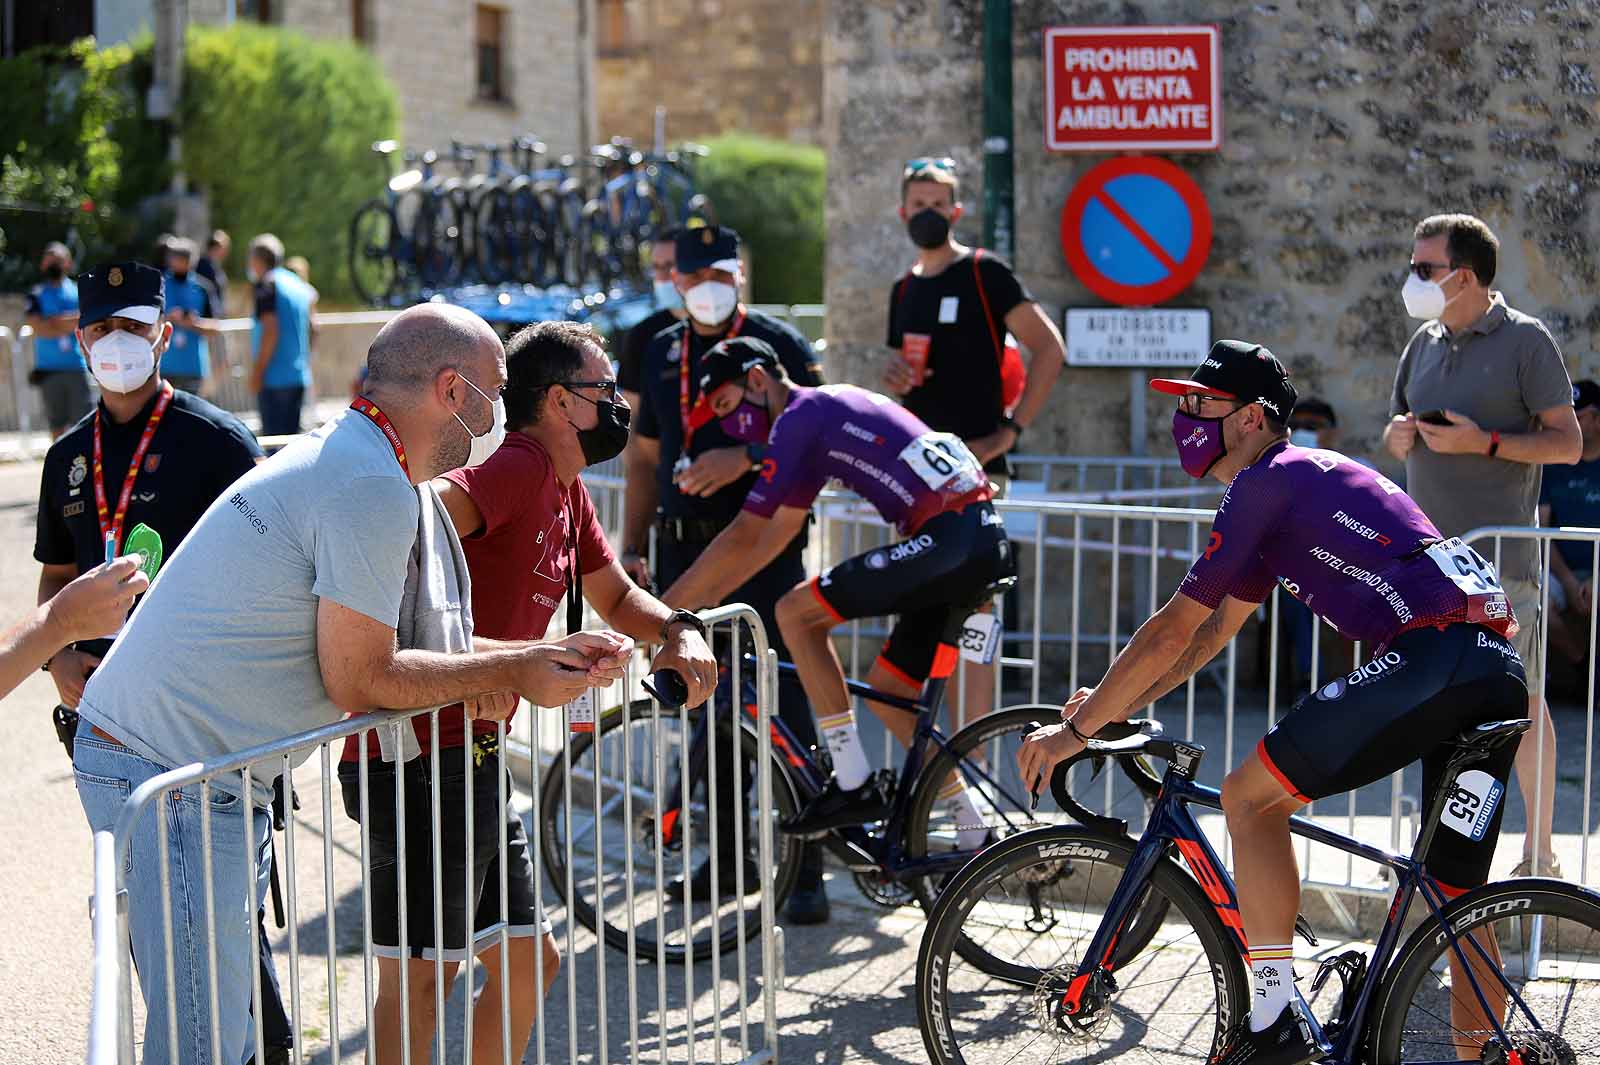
{"x": 1172, "y": 825}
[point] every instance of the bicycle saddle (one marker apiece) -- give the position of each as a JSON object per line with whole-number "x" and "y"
{"x": 1492, "y": 734}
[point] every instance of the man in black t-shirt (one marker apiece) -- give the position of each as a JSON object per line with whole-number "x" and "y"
{"x": 669, "y": 312}
{"x": 689, "y": 478}
{"x": 951, "y": 320}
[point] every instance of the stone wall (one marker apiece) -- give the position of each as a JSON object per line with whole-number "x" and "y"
{"x": 1344, "y": 122}
{"x": 719, "y": 66}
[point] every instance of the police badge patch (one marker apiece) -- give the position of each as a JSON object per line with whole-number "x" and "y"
{"x": 77, "y": 472}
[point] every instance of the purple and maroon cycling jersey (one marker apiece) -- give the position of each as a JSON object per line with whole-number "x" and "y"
{"x": 875, "y": 447}
{"x": 1348, "y": 543}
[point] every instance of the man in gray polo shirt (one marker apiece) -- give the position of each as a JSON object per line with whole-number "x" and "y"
{"x": 278, "y": 613}
{"x": 1481, "y": 401}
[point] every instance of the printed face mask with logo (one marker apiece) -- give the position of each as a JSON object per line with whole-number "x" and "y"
{"x": 1425, "y": 299}
{"x": 1199, "y": 440}
{"x": 122, "y": 361}
{"x": 749, "y": 422}
{"x": 488, "y": 442}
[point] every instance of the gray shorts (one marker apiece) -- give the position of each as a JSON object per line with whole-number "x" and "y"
{"x": 1526, "y": 601}
{"x": 68, "y": 396}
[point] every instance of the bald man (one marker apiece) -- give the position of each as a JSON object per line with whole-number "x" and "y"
{"x": 279, "y": 614}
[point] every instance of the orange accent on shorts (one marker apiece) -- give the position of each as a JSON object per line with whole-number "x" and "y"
{"x": 1277, "y": 774}
{"x": 669, "y": 824}
{"x": 896, "y": 672}
{"x": 944, "y": 662}
{"x": 1450, "y": 891}
{"x": 816, "y": 590}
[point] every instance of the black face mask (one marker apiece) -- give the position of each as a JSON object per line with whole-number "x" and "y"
{"x": 180, "y": 278}
{"x": 55, "y": 272}
{"x": 928, "y": 228}
{"x": 610, "y": 433}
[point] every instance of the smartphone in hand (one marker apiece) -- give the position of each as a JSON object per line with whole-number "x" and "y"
{"x": 1433, "y": 417}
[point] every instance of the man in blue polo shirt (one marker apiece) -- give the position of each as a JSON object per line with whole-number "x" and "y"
{"x": 281, "y": 339}
{"x": 192, "y": 308}
{"x": 58, "y": 367}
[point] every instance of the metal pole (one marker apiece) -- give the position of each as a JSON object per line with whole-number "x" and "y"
{"x": 998, "y": 195}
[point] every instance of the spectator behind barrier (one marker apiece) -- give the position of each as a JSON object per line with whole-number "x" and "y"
{"x": 59, "y": 371}
{"x": 1481, "y": 402}
{"x": 280, "y": 615}
{"x": 1570, "y": 495}
{"x": 193, "y": 307}
{"x": 281, "y": 338}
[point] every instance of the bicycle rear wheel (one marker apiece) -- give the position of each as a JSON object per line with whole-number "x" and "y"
{"x": 1547, "y": 990}
{"x": 1037, "y": 899}
{"x": 985, "y": 756}
{"x": 664, "y": 927}
{"x": 373, "y": 266}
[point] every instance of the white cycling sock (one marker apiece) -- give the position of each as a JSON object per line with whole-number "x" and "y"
{"x": 965, "y": 810}
{"x": 1272, "y": 974}
{"x": 850, "y": 768}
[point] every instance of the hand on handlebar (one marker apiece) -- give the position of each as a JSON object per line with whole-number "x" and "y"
{"x": 1079, "y": 697}
{"x": 1042, "y": 750}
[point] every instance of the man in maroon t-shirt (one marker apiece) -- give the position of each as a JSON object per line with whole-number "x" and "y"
{"x": 530, "y": 535}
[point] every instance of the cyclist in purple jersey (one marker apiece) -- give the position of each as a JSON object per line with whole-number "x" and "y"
{"x": 1352, "y": 546}
{"x": 926, "y": 484}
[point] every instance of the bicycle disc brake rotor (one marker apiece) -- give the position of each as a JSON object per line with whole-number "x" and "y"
{"x": 879, "y": 889}
{"x": 1052, "y": 1021}
{"x": 1534, "y": 1047}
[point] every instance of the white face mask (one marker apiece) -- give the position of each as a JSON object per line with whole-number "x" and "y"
{"x": 122, "y": 361}
{"x": 711, "y": 302}
{"x": 1303, "y": 437}
{"x": 487, "y": 444}
{"x": 1425, "y": 299}
{"x": 667, "y": 295}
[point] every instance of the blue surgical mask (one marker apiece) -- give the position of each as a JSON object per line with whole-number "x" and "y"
{"x": 668, "y": 298}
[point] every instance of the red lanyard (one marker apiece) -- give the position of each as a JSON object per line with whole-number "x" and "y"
{"x": 363, "y": 405}
{"x": 112, "y": 525}
{"x": 701, "y": 413}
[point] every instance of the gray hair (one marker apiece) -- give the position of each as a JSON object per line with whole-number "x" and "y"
{"x": 420, "y": 341}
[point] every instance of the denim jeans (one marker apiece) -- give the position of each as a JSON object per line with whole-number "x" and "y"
{"x": 280, "y": 410}
{"x": 106, "y": 774}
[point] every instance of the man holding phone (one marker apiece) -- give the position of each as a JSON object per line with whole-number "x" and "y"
{"x": 1481, "y": 401}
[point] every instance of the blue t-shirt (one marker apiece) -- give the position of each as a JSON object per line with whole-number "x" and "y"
{"x": 48, "y": 300}
{"x": 283, "y": 295}
{"x": 188, "y": 355}
{"x": 1573, "y": 495}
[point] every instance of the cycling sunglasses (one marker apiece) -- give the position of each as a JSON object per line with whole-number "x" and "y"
{"x": 608, "y": 387}
{"x": 943, "y": 164}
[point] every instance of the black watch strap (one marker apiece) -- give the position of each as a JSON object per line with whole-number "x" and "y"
{"x": 685, "y": 617}
{"x": 1010, "y": 423}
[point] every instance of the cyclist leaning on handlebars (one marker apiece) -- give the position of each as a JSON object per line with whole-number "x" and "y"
{"x": 1352, "y": 546}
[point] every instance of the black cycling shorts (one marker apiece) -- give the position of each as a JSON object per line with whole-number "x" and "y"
{"x": 524, "y": 918}
{"x": 1428, "y": 687}
{"x": 946, "y": 566}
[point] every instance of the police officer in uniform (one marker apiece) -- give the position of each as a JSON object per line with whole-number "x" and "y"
{"x": 148, "y": 454}
{"x": 689, "y": 478}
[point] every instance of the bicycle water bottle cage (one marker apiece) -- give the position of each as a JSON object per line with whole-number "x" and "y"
{"x": 1351, "y": 969}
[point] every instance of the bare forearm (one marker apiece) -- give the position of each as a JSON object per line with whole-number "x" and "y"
{"x": 412, "y": 679}
{"x": 1044, "y": 367}
{"x": 640, "y": 615}
{"x": 1541, "y": 447}
{"x": 26, "y": 645}
{"x": 1208, "y": 640}
{"x": 736, "y": 553}
{"x": 1138, "y": 670}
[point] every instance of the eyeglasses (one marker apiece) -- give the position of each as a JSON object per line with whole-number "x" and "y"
{"x": 1191, "y": 402}
{"x": 1424, "y": 271}
{"x": 609, "y": 387}
{"x": 943, "y": 164}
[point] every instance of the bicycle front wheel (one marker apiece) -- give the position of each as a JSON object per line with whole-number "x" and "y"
{"x": 1037, "y": 899}
{"x": 1539, "y": 972}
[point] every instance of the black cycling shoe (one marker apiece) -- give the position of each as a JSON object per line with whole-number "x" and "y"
{"x": 1286, "y": 1041}
{"x": 807, "y": 906}
{"x": 836, "y": 808}
{"x": 700, "y": 883}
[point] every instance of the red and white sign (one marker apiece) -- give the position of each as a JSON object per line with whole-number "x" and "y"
{"x": 1132, "y": 88}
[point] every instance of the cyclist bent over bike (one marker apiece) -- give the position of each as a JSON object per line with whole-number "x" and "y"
{"x": 1352, "y": 546}
{"x": 927, "y": 484}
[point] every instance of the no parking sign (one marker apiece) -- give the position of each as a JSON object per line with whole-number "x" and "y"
{"x": 1136, "y": 231}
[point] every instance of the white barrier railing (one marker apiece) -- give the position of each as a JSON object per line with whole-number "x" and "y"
{"x": 619, "y": 781}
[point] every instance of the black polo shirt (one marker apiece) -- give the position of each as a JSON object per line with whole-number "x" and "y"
{"x": 962, "y": 395}
{"x": 630, "y": 357}
{"x": 197, "y": 451}
{"x": 660, "y": 414}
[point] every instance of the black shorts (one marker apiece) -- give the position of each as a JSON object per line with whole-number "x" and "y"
{"x": 487, "y": 816}
{"x": 946, "y": 565}
{"x": 1428, "y": 687}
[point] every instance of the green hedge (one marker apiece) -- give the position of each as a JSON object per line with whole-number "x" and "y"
{"x": 772, "y": 193}
{"x": 277, "y": 129}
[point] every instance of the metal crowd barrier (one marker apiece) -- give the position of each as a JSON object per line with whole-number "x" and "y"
{"x": 610, "y": 825}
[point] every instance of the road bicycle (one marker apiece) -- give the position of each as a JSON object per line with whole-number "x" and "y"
{"x": 403, "y": 242}
{"x": 1505, "y": 974}
{"x": 901, "y": 860}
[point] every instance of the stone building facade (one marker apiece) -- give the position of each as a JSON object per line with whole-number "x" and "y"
{"x": 1343, "y": 124}
{"x": 717, "y": 66}
{"x": 477, "y": 71}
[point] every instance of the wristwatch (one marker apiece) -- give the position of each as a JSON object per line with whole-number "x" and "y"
{"x": 1007, "y": 422}
{"x": 684, "y": 617}
{"x": 1494, "y": 443}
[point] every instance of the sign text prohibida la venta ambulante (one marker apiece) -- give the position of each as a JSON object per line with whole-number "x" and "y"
{"x": 1132, "y": 88}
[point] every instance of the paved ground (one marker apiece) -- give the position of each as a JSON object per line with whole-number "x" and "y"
{"x": 847, "y": 997}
